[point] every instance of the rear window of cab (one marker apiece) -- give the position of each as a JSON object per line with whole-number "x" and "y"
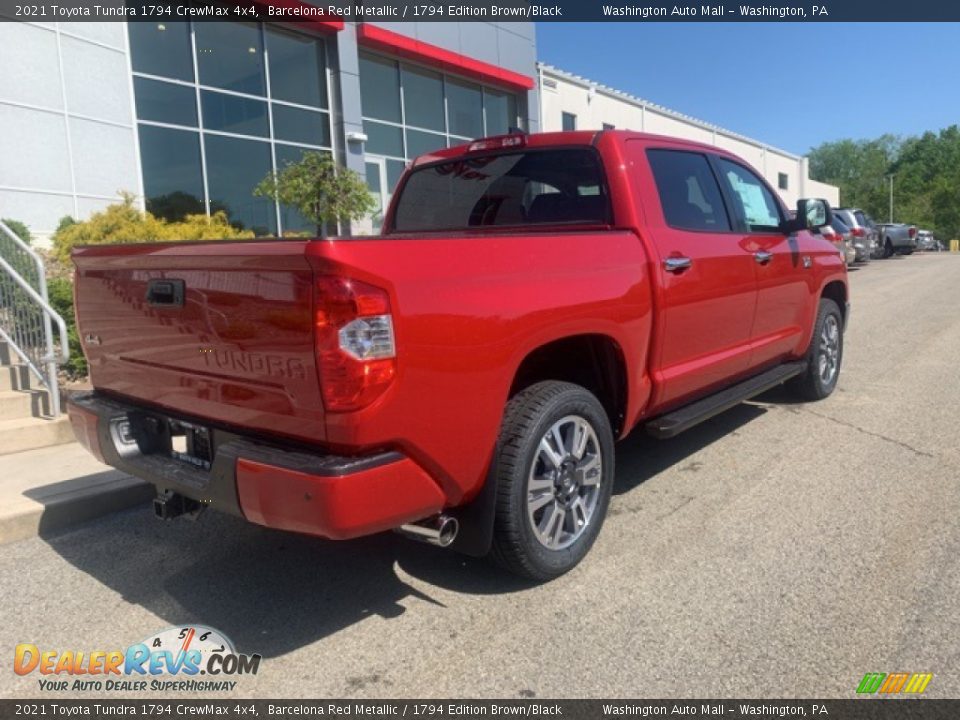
{"x": 514, "y": 189}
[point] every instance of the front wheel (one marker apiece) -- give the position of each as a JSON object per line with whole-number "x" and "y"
{"x": 554, "y": 473}
{"x": 823, "y": 356}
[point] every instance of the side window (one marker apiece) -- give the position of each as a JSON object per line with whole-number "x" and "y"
{"x": 754, "y": 201}
{"x": 689, "y": 193}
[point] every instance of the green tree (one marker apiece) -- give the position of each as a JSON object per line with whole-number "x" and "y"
{"x": 323, "y": 193}
{"x": 925, "y": 170}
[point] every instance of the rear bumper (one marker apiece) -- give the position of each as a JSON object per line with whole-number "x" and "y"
{"x": 332, "y": 496}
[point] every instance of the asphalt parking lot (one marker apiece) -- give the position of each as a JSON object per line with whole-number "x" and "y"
{"x": 780, "y": 550}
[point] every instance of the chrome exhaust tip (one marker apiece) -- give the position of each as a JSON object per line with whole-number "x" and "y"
{"x": 439, "y": 530}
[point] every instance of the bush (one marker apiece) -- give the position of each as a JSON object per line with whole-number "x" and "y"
{"x": 19, "y": 229}
{"x": 124, "y": 223}
{"x": 60, "y": 293}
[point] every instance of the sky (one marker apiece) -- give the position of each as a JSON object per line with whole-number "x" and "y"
{"x": 792, "y": 85}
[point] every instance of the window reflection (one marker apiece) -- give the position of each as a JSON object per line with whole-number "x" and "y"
{"x": 423, "y": 98}
{"x": 161, "y": 48}
{"x": 165, "y": 102}
{"x": 297, "y": 68}
{"x": 233, "y": 57}
{"x": 233, "y": 114}
{"x": 464, "y": 108}
{"x": 234, "y": 167}
{"x": 379, "y": 88}
{"x": 172, "y": 176}
{"x": 230, "y": 56}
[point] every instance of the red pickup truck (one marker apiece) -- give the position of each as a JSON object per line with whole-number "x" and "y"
{"x": 463, "y": 376}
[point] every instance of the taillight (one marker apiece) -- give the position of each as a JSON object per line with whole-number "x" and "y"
{"x": 913, "y": 232}
{"x": 858, "y": 232}
{"x": 356, "y": 353}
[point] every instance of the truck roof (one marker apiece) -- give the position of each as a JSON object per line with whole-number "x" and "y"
{"x": 555, "y": 139}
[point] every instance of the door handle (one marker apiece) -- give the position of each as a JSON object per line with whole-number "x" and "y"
{"x": 763, "y": 257}
{"x": 676, "y": 264}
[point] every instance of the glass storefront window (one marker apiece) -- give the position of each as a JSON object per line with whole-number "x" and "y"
{"x": 240, "y": 143}
{"x": 230, "y": 56}
{"x": 500, "y": 112}
{"x": 383, "y": 139}
{"x": 165, "y": 102}
{"x": 234, "y": 167}
{"x": 162, "y": 48}
{"x": 234, "y": 114}
{"x": 419, "y": 143}
{"x": 423, "y": 98}
{"x": 298, "y": 72}
{"x": 380, "y": 88}
{"x": 465, "y": 108}
{"x": 172, "y": 172}
{"x": 302, "y": 126}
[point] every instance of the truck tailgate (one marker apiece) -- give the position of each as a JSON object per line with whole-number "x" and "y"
{"x": 213, "y": 331}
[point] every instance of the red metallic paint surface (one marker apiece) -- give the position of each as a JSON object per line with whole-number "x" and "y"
{"x": 338, "y": 508}
{"x": 467, "y": 309}
{"x": 239, "y": 353}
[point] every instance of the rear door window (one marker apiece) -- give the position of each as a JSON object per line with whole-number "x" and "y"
{"x": 534, "y": 187}
{"x": 688, "y": 189}
{"x": 753, "y": 201}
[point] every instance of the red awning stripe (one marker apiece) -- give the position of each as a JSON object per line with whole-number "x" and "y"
{"x": 376, "y": 37}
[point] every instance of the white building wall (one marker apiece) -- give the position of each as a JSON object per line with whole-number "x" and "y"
{"x": 596, "y": 105}
{"x": 67, "y": 144}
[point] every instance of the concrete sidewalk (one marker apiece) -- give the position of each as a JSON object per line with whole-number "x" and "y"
{"x": 52, "y": 488}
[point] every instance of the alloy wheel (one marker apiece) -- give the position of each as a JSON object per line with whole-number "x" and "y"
{"x": 563, "y": 486}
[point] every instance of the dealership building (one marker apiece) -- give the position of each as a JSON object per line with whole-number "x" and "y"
{"x": 190, "y": 116}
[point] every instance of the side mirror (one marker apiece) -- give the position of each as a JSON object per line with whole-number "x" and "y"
{"x": 812, "y": 214}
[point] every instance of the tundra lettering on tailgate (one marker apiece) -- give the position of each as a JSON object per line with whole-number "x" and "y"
{"x": 254, "y": 363}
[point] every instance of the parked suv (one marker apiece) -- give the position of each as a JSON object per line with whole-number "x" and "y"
{"x": 463, "y": 376}
{"x": 863, "y": 233}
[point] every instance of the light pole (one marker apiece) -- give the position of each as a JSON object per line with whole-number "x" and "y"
{"x": 890, "y": 177}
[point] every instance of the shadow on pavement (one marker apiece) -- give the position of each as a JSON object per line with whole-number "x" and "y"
{"x": 273, "y": 592}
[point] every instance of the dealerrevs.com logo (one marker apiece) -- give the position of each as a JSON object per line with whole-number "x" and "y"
{"x": 189, "y": 659}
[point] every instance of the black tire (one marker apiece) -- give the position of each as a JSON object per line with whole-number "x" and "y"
{"x": 888, "y": 249}
{"x": 529, "y": 416}
{"x": 812, "y": 385}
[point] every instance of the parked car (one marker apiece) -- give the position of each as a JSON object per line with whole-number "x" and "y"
{"x": 863, "y": 233}
{"x": 927, "y": 242}
{"x": 842, "y": 238}
{"x": 463, "y": 376}
{"x": 839, "y": 234}
{"x": 897, "y": 238}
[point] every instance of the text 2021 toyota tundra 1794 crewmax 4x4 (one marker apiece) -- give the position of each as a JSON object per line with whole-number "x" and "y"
{"x": 462, "y": 376}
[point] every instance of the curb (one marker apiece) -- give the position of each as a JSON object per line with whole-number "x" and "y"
{"x": 55, "y": 509}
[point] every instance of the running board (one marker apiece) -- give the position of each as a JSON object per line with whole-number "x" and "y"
{"x": 674, "y": 423}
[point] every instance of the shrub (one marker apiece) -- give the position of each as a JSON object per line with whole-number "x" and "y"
{"x": 124, "y": 223}
{"x": 60, "y": 293}
{"x": 19, "y": 229}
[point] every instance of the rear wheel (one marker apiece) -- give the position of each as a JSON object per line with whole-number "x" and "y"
{"x": 888, "y": 249}
{"x": 823, "y": 356}
{"x": 554, "y": 472}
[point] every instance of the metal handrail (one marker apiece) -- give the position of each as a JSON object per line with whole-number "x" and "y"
{"x": 39, "y": 297}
